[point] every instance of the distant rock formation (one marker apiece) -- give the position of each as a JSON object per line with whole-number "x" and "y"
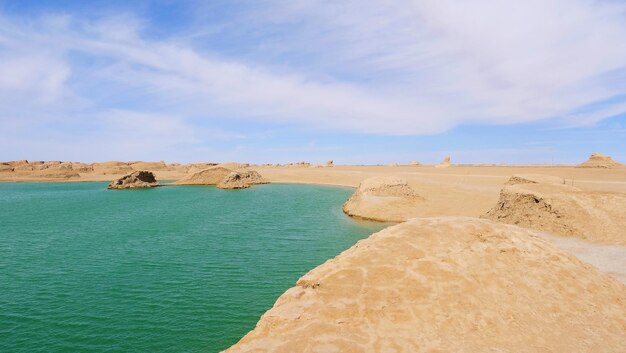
{"x": 234, "y": 165}
{"x": 445, "y": 163}
{"x": 329, "y": 163}
{"x": 196, "y": 167}
{"x": 382, "y": 199}
{"x": 138, "y": 179}
{"x": 447, "y": 285}
{"x": 112, "y": 168}
{"x": 241, "y": 180}
{"x": 549, "y": 204}
{"x": 149, "y": 166}
{"x": 209, "y": 176}
{"x": 599, "y": 160}
{"x": 223, "y": 178}
{"x": 82, "y": 167}
{"x": 414, "y": 163}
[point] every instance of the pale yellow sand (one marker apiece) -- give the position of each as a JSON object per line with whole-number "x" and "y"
{"x": 447, "y": 285}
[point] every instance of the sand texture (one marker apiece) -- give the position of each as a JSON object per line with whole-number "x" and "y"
{"x": 447, "y": 284}
{"x": 545, "y": 204}
{"x": 384, "y": 199}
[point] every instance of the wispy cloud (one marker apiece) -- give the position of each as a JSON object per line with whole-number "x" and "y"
{"x": 383, "y": 67}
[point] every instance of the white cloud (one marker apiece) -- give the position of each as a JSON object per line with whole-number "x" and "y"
{"x": 387, "y": 67}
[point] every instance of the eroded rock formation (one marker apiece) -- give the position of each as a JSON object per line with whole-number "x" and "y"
{"x": 549, "y": 204}
{"x": 138, "y": 179}
{"x": 382, "y": 199}
{"x": 241, "y": 180}
{"x": 599, "y": 160}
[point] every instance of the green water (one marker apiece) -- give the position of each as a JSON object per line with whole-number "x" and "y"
{"x": 172, "y": 269}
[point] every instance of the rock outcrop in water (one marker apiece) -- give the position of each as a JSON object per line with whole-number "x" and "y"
{"x": 138, "y": 179}
{"x": 599, "y": 160}
{"x": 382, "y": 199}
{"x": 547, "y": 203}
{"x": 241, "y": 180}
{"x": 447, "y": 285}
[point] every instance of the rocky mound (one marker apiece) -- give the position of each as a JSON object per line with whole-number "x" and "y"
{"x": 241, "y": 180}
{"x": 330, "y": 163}
{"x": 599, "y": 160}
{"x": 414, "y": 163}
{"x": 545, "y": 204}
{"x": 209, "y": 176}
{"x": 382, "y": 199}
{"x": 138, "y": 179}
{"x": 447, "y": 285}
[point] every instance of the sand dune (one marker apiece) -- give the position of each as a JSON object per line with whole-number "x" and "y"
{"x": 447, "y": 284}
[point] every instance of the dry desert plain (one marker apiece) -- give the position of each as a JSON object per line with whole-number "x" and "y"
{"x": 484, "y": 258}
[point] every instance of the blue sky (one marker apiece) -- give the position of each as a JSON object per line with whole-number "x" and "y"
{"x": 369, "y": 81}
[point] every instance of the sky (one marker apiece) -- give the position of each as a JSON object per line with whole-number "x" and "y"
{"x": 269, "y": 81}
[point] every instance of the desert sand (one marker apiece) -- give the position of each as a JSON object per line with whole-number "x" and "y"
{"x": 447, "y": 285}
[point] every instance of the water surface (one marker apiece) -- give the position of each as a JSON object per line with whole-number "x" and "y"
{"x": 172, "y": 269}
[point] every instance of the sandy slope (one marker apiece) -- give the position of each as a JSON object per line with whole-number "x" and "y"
{"x": 546, "y": 203}
{"x": 447, "y": 284}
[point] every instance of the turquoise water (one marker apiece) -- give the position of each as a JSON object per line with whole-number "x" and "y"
{"x": 172, "y": 269}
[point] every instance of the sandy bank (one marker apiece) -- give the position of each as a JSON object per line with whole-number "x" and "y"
{"x": 447, "y": 284}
